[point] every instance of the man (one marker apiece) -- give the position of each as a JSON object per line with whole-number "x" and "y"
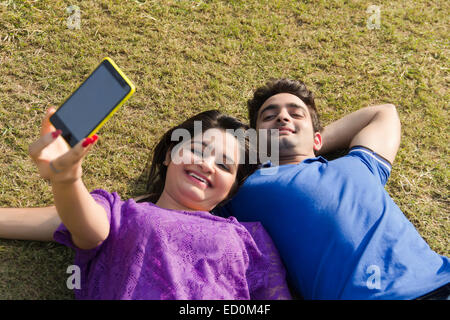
{"x": 339, "y": 233}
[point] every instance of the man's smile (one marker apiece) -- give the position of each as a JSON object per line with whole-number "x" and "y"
{"x": 285, "y": 130}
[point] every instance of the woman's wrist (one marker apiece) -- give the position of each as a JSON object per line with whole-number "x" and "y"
{"x": 70, "y": 183}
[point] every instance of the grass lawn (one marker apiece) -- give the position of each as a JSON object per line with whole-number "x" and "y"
{"x": 187, "y": 56}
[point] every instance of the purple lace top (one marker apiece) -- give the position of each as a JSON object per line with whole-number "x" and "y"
{"x": 154, "y": 253}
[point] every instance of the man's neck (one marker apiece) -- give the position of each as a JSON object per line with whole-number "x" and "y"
{"x": 295, "y": 158}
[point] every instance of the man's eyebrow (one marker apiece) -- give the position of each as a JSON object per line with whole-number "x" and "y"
{"x": 269, "y": 107}
{"x": 276, "y": 106}
{"x": 296, "y": 105}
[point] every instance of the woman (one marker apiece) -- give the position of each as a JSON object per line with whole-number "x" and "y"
{"x": 170, "y": 247}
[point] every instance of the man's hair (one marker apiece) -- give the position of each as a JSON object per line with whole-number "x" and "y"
{"x": 277, "y": 86}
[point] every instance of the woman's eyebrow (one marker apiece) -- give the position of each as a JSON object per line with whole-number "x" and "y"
{"x": 204, "y": 144}
{"x": 226, "y": 158}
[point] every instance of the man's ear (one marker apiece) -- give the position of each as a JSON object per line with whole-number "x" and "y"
{"x": 317, "y": 141}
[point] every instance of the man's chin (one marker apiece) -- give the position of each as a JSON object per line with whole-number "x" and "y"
{"x": 287, "y": 142}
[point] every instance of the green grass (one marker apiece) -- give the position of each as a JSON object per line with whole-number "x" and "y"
{"x": 190, "y": 56}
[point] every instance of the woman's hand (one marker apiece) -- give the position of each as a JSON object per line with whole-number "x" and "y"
{"x": 56, "y": 161}
{"x": 86, "y": 220}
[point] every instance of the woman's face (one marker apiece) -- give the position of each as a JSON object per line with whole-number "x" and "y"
{"x": 201, "y": 173}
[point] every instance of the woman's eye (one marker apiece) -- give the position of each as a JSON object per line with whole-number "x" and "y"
{"x": 197, "y": 151}
{"x": 223, "y": 166}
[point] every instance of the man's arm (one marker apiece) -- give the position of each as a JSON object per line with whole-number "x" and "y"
{"x": 376, "y": 127}
{"x": 37, "y": 224}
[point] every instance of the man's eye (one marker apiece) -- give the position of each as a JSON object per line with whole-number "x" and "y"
{"x": 297, "y": 115}
{"x": 268, "y": 117}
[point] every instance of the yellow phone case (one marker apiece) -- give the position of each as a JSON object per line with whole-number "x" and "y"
{"x": 133, "y": 89}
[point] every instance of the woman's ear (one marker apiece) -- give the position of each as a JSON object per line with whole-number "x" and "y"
{"x": 167, "y": 159}
{"x": 317, "y": 141}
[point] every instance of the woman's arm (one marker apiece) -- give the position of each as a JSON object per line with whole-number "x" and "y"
{"x": 86, "y": 220}
{"x": 81, "y": 214}
{"x": 36, "y": 224}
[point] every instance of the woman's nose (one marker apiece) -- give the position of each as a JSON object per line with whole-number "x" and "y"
{"x": 207, "y": 163}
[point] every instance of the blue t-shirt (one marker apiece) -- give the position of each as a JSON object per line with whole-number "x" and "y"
{"x": 339, "y": 233}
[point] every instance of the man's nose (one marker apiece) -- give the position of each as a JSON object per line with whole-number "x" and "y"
{"x": 283, "y": 116}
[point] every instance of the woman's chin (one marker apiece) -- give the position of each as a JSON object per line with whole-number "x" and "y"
{"x": 193, "y": 199}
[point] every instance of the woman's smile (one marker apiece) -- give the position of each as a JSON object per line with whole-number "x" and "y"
{"x": 198, "y": 179}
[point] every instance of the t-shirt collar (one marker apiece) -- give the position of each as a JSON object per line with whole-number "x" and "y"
{"x": 268, "y": 164}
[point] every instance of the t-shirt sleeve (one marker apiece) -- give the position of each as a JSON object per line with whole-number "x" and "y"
{"x": 63, "y": 236}
{"x": 377, "y": 165}
{"x": 266, "y": 275}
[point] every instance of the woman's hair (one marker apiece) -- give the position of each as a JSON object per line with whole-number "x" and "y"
{"x": 277, "y": 86}
{"x": 156, "y": 176}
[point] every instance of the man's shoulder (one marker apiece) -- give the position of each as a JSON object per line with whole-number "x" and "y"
{"x": 366, "y": 153}
{"x": 360, "y": 160}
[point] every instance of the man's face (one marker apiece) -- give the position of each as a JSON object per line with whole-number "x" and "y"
{"x": 289, "y": 114}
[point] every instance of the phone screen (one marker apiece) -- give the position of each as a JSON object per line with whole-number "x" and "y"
{"x": 83, "y": 111}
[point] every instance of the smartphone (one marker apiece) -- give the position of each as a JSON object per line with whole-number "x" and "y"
{"x": 93, "y": 103}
